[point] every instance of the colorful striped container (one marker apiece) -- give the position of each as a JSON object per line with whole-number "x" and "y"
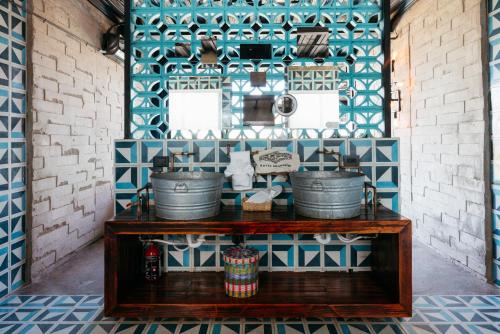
{"x": 241, "y": 266}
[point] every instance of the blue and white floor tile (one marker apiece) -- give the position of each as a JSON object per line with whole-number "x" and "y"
{"x": 84, "y": 315}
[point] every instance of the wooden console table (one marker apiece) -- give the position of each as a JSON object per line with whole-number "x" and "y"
{"x": 386, "y": 291}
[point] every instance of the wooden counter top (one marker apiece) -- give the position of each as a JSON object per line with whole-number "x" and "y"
{"x": 233, "y": 220}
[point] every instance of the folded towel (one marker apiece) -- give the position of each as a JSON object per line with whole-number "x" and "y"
{"x": 240, "y": 170}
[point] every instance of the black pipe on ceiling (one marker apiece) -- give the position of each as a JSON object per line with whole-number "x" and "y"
{"x": 398, "y": 8}
{"x": 113, "y": 9}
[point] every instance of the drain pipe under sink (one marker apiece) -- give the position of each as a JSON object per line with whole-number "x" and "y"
{"x": 325, "y": 239}
{"x": 189, "y": 240}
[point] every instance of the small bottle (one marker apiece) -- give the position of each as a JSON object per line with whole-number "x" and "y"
{"x": 152, "y": 262}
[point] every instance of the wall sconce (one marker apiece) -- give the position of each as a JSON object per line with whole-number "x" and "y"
{"x": 395, "y": 99}
{"x": 395, "y": 93}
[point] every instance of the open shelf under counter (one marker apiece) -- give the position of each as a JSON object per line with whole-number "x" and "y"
{"x": 383, "y": 292}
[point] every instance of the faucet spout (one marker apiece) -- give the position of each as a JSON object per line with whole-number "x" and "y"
{"x": 171, "y": 167}
{"x": 332, "y": 152}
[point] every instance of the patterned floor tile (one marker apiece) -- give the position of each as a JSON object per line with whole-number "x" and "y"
{"x": 84, "y": 315}
{"x": 52, "y": 315}
{"x": 98, "y": 328}
{"x": 162, "y": 329}
{"x": 451, "y": 328}
{"x": 66, "y": 329}
{"x": 226, "y": 328}
{"x": 23, "y": 314}
{"x": 35, "y": 328}
{"x": 387, "y": 329}
{"x": 130, "y": 329}
{"x": 258, "y": 329}
{"x": 354, "y": 328}
{"x": 40, "y": 301}
{"x": 194, "y": 329}
{"x": 450, "y": 301}
{"x": 8, "y": 328}
{"x": 467, "y": 315}
{"x": 484, "y": 329}
{"x": 291, "y": 328}
{"x": 67, "y": 301}
{"x": 81, "y": 314}
{"x": 419, "y": 329}
{"x": 492, "y": 314}
{"x": 477, "y": 301}
{"x": 322, "y": 328}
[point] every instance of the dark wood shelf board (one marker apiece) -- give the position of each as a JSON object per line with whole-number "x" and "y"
{"x": 233, "y": 220}
{"x": 282, "y": 293}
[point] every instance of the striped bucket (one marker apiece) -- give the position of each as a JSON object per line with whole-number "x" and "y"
{"x": 241, "y": 266}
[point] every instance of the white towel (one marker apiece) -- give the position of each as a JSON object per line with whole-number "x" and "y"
{"x": 265, "y": 195}
{"x": 241, "y": 171}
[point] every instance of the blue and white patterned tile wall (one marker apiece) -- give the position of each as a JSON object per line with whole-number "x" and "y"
{"x": 12, "y": 145}
{"x": 355, "y": 47}
{"x": 379, "y": 161}
{"x": 494, "y": 54}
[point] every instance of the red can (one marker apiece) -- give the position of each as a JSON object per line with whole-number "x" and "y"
{"x": 152, "y": 262}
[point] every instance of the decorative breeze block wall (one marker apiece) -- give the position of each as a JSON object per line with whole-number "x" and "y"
{"x": 12, "y": 145}
{"x": 355, "y": 46}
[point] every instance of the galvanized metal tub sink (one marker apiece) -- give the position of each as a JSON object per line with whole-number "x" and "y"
{"x": 187, "y": 195}
{"x": 327, "y": 195}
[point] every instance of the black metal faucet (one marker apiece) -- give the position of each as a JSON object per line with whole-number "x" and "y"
{"x": 172, "y": 158}
{"x": 332, "y": 152}
{"x": 345, "y": 161}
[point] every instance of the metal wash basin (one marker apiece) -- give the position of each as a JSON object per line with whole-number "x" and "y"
{"x": 327, "y": 195}
{"x": 187, "y": 195}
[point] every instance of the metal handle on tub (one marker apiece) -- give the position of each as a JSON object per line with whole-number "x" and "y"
{"x": 317, "y": 185}
{"x": 181, "y": 188}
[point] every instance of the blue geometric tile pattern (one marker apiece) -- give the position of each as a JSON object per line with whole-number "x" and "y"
{"x": 494, "y": 57}
{"x": 12, "y": 145}
{"x": 279, "y": 252}
{"x": 355, "y": 48}
{"x": 84, "y": 314}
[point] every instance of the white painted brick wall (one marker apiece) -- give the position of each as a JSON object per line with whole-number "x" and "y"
{"x": 438, "y": 65}
{"x": 77, "y": 113}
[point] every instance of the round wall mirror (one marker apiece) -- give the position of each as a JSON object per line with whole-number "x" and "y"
{"x": 285, "y": 105}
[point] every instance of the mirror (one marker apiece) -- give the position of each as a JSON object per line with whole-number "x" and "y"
{"x": 285, "y": 105}
{"x": 199, "y": 109}
{"x": 258, "y": 110}
{"x": 316, "y": 109}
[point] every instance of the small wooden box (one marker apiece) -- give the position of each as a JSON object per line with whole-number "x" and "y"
{"x": 267, "y": 206}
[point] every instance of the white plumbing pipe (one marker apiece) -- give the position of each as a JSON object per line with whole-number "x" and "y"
{"x": 170, "y": 243}
{"x": 323, "y": 239}
{"x": 348, "y": 240}
{"x": 199, "y": 241}
{"x": 189, "y": 239}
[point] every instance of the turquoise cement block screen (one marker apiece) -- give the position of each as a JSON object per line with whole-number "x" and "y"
{"x": 355, "y": 48}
